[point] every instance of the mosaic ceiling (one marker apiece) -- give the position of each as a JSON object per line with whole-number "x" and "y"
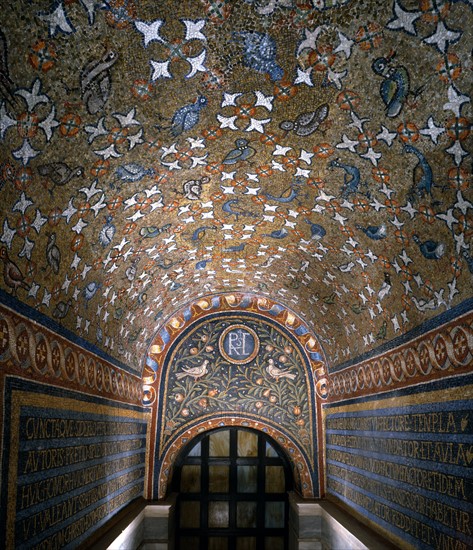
{"x": 314, "y": 152}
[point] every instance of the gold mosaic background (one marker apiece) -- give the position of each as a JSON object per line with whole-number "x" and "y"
{"x": 317, "y": 153}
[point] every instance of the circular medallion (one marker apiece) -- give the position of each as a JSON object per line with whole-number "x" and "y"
{"x": 239, "y": 344}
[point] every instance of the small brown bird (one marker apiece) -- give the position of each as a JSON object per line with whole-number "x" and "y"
{"x": 278, "y": 373}
{"x": 195, "y": 372}
{"x": 59, "y": 173}
{"x": 53, "y": 254}
{"x": 11, "y": 272}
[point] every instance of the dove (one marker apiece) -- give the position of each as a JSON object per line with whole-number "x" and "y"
{"x": 241, "y": 152}
{"x": 186, "y": 117}
{"x": 194, "y": 372}
{"x": 278, "y": 373}
{"x": 133, "y": 172}
{"x": 375, "y": 232}
{"x": 53, "y": 254}
{"x": 385, "y": 288}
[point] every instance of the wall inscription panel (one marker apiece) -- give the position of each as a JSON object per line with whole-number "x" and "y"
{"x": 405, "y": 463}
{"x": 72, "y": 462}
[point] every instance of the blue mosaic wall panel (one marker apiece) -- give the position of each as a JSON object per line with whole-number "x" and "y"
{"x": 70, "y": 463}
{"x": 404, "y": 462}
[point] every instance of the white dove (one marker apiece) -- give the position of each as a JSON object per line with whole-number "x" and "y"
{"x": 195, "y": 372}
{"x": 277, "y": 373}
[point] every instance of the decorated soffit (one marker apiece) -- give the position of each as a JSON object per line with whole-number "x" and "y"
{"x": 316, "y": 153}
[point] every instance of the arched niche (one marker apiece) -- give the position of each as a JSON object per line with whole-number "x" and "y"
{"x": 235, "y": 360}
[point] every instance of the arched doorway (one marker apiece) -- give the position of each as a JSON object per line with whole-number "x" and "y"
{"x": 232, "y": 485}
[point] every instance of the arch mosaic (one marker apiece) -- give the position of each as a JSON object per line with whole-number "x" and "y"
{"x": 205, "y": 306}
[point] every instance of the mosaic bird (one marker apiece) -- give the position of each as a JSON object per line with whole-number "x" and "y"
{"x": 385, "y": 288}
{"x": 431, "y": 250}
{"x": 133, "y": 172}
{"x": 61, "y": 309}
{"x": 200, "y": 232}
{"x": 306, "y": 123}
{"x": 278, "y": 233}
{"x": 394, "y": 89}
{"x": 228, "y": 208}
{"x": 192, "y": 189}
{"x": 278, "y": 373}
{"x": 53, "y": 254}
{"x": 236, "y": 248}
{"x": 131, "y": 270}
{"x": 259, "y": 53}
{"x": 187, "y": 117}
{"x": 316, "y": 230}
{"x": 151, "y": 231}
{"x": 90, "y": 290}
{"x": 11, "y": 272}
{"x": 96, "y": 82}
{"x": 194, "y": 372}
{"x": 469, "y": 260}
{"x": 107, "y": 232}
{"x": 375, "y": 232}
{"x": 381, "y": 335}
{"x": 422, "y": 174}
{"x": 59, "y": 173}
{"x": 202, "y": 264}
{"x": 241, "y": 152}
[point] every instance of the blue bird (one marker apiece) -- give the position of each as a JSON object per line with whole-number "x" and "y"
{"x": 90, "y": 290}
{"x": 316, "y": 230}
{"x": 227, "y": 207}
{"x": 237, "y": 248}
{"x": 431, "y": 250}
{"x": 375, "y": 232}
{"x": 199, "y": 233}
{"x": 202, "y": 264}
{"x": 278, "y": 233}
{"x": 242, "y": 152}
{"x": 133, "y": 172}
{"x": 151, "y": 231}
{"x": 107, "y": 232}
{"x": 423, "y": 174}
{"x": 260, "y": 53}
{"x": 187, "y": 117}
{"x": 395, "y": 87}
{"x": 351, "y": 178}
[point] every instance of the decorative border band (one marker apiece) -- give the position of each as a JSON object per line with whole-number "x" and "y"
{"x": 47, "y": 356}
{"x": 447, "y": 350}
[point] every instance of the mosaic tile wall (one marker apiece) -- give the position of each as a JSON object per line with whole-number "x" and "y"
{"x": 399, "y": 440}
{"x": 313, "y": 152}
{"x": 73, "y": 438}
{"x": 307, "y": 161}
{"x": 237, "y": 369}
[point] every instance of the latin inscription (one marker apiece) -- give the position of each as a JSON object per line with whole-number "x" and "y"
{"x": 73, "y": 471}
{"x": 406, "y": 469}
